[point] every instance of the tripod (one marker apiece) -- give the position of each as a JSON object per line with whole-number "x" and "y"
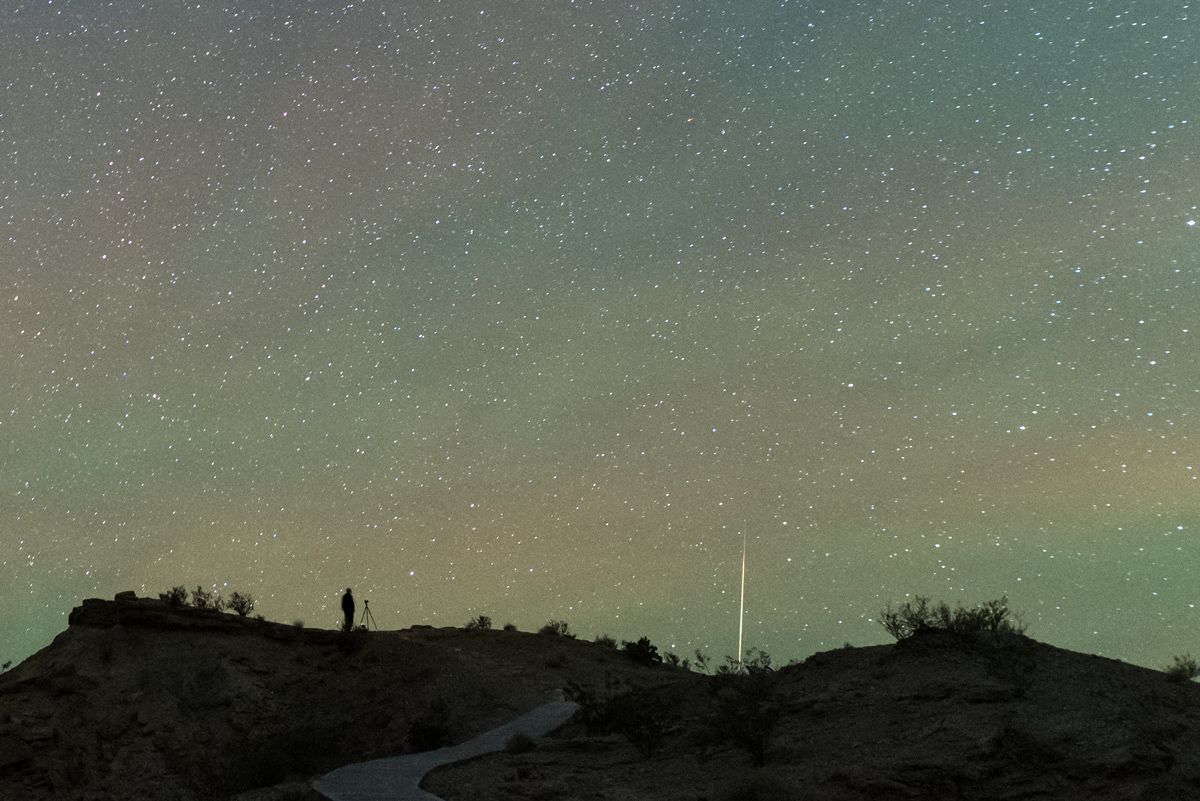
{"x": 368, "y": 619}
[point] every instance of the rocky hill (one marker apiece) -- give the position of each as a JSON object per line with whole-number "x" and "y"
{"x": 140, "y": 700}
{"x": 935, "y": 716}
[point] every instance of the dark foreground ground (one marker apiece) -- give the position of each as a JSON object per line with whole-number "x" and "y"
{"x": 934, "y": 717}
{"x": 139, "y": 701}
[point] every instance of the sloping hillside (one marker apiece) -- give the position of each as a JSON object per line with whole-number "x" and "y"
{"x": 140, "y": 700}
{"x": 937, "y": 716}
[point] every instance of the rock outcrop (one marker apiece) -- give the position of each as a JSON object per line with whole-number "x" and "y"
{"x": 139, "y": 699}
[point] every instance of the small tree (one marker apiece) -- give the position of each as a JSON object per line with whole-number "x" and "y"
{"x": 176, "y": 596}
{"x": 242, "y": 604}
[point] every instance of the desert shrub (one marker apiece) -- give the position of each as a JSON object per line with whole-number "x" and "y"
{"x": 643, "y": 651}
{"x": 510, "y": 626}
{"x": 204, "y": 599}
{"x": 5, "y": 666}
{"x": 261, "y": 618}
{"x": 557, "y": 628}
{"x": 242, "y": 604}
{"x": 757, "y": 660}
{"x": 919, "y": 615}
{"x": 745, "y": 714}
{"x": 481, "y": 623}
{"x": 671, "y": 658}
{"x": 618, "y": 710}
{"x": 201, "y": 598}
{"x": 297, "y": 624}
{"x": 176, "y": 596}
{"x": 591, "y": 703}
{"x": 520, "y": 743}
{"x": 1182, "y": 668}
{"x": 606, "y": 641}
{"x": 639, "y": 720}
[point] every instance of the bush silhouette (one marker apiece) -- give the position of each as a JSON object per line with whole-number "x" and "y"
{"x": 757, "y": 660}
{"x": 242, "y": 604}
{"x": 1182, "y": 668}
{"x": 176, "y": 596}
{"x": 557, "y": 628}
{"x": 643, "y": 652}
{"x": 606, "y": 641}
{"x": 203, "y": 599}
{"x": 481, "y": 623}
{"x": 919, "y": 616}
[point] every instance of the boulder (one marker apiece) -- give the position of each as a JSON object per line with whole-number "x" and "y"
{"x": 94, "y": 612}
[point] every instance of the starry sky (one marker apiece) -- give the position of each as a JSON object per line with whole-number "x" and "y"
{"x": 535, "y": 309}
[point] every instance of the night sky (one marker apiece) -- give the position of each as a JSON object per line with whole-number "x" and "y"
{"x": 534, "y": 309}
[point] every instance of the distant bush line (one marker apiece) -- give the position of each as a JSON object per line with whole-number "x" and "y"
{"x": 241, "y": 603}
{"x": 919, "y": 616}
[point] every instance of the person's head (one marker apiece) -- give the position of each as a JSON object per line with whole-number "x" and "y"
{"x": 347, "y": 590}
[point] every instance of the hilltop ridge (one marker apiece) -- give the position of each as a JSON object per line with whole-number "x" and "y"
{"x": 141, "y": 700}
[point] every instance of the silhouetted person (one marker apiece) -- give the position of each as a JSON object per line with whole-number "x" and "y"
{"x": 348, "y": 610}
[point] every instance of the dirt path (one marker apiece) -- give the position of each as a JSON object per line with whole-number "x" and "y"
{"x": 399, "y": 778}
